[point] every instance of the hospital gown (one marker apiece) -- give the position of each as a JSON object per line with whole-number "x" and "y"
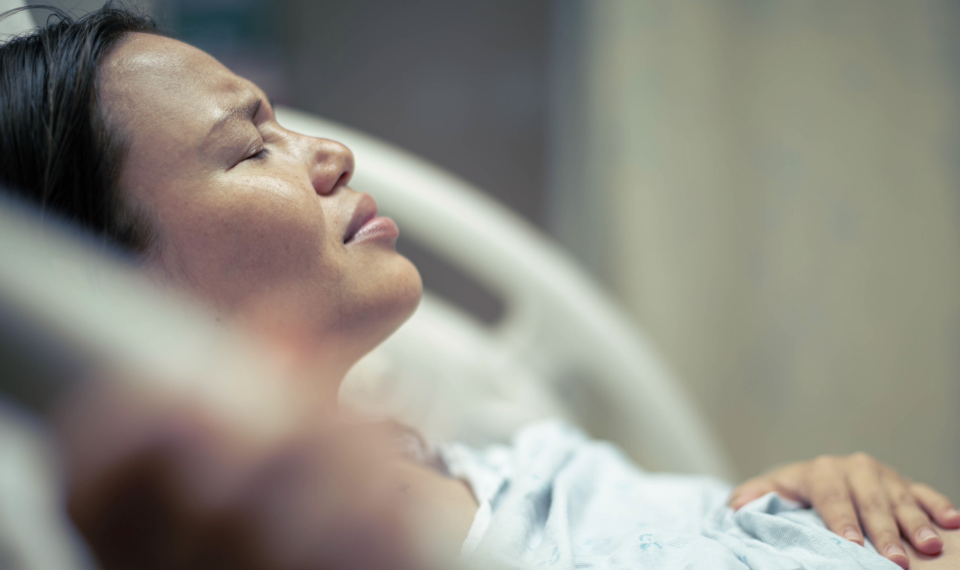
{"x": 556, "y": 499}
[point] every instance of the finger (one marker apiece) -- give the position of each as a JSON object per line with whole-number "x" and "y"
{"x": 876, "y": 515}
{"x": 914, "y": 522}
{"x": 830, "y": 497}
{"x": 938, "y": 506}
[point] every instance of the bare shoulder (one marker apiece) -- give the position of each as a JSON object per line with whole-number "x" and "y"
{"x": 948, "y": 559}
{"x": 446, "y": 505}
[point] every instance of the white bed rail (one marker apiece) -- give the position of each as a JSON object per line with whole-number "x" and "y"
{"x": 558, "y": 324}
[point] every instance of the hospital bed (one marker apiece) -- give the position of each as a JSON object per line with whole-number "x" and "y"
{"x": 560, "y": 348}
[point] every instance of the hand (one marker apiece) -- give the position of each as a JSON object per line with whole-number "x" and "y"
{"x": 843, "y": 488}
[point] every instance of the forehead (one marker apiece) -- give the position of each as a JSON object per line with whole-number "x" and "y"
{"x": 153, "y": 85}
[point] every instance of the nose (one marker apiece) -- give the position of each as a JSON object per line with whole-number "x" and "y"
{"x": 331, "y": 165}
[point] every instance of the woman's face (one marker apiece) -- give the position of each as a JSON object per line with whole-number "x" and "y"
{"x": 256, "y": 219}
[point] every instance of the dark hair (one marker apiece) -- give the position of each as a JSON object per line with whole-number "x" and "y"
{"x": 55, "y": 148}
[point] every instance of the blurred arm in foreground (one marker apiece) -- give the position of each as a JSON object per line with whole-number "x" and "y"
{"x": 166, "y": 482}
{"x": 187, "y": 444}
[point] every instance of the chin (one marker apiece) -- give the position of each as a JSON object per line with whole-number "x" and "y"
{"x": 406, "y": 297}
{"x": 394, "y": 303}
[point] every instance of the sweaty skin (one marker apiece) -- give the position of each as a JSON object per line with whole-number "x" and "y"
{"x": 254, "y": 219}
{"x": 250, "y": 216}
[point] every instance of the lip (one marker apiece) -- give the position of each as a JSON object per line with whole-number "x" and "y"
{"x": 365, "y": 224}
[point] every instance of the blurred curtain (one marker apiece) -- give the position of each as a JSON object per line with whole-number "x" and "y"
{"x": 771, "y": 187}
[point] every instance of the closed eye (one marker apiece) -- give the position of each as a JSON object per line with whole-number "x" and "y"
{"x": 264, "y": 152}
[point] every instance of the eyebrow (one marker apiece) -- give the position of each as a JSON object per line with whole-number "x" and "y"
{"x": 244, "y": 112}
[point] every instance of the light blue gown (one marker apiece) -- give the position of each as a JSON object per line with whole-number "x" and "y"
{"x": 556, "y": 499}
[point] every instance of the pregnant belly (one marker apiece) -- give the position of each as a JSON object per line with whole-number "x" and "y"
{"x": 948, "y": 559}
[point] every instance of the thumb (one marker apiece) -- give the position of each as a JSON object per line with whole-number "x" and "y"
{"x": 750, "y": 490}
{"x": 790, "y": 482}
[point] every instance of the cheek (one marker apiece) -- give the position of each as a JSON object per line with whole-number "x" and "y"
{"x": 255, "y": 244}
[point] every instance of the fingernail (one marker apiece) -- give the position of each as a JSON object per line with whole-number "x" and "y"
{"x": 851, "y": 535}
{"x": 894, "y": 550}
{"x": 952, "y": 513}
{"x": 926, "y": 534}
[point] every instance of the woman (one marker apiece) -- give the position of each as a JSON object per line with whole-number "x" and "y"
{"x": 157, "y": 147}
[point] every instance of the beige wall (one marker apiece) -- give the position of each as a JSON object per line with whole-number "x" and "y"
{"x": 773, "y": 189}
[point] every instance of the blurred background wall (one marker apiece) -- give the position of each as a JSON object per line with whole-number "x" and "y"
{"x": 771, "y": 188}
